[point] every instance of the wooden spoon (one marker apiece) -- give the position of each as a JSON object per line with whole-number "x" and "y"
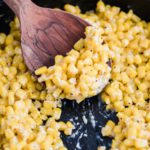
{"x": 45, "y": 32}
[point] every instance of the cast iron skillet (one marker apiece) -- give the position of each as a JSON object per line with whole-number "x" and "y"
{"x": 85, "y": 136}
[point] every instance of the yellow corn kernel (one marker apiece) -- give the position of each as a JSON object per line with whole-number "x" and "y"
{"x": 37, "y": 104}
{"x": 144, "y": 43}
{"x": 74, "y": 53}
{"x": 141, "y": 143}
{"x": 16, "y": 34}
{"x": 4, "y": 79}
{"x": 56, "y": 93}
{"x": 137, "y": 59}
{"x": 141, "y": 71}
{"x": 88, "y": 62}
{"x": 43, "y": 95}
{"x": 147, "y": 77}
{"x": 49, "y": 84}
{"x": 2, "y": 38}
{"x": 130, "y": 89}
{"x": 70, "y": 59}
{"x": 22, "y": 67}
{"x": 30, "y": 85}
{"x": 58, "y": 59}
{"x": 107, "y": 131}
{"x": 9, "y": 50}
{"x": 41, "y": 70}
{"x": 124, "y": 77}
{"x": 127, "y": 101}
{"x": 19, "y": 105}
{"x": 62, "y": 148}
{"x": 46, "y": 111}
{"x": 11, "y": 98}
{"x": 131, "y": 72}
{"x": 117, "y": 129}
{"x": 3, "y": 92}
{"x": 49, "y": 97}
{"x": 106, "y": 98}
{"x": 39, "y": 87}
{"x": 148, "y": 117}
{"x": 57, "y": 113}
{"x": 53, "y": 132}
{"x": 68, "y": 89}
{"x": 132, "y": 132}
{"x": 64, "y": 66}
{"x": 129, "y": 142}
{"x": 147, "y": 53}
{"x": 10, "y": 110}
{"x": 2, "y": 109}
{"x": 38, "y": 121}
{"x": 122, "y": 146}
{"x": 79, "y": 45}
{"x": 21, "y": 94}
{"x": 67, "y": 131}
{"x": 83, "y": 87}
{"x": 115, "y": 94}
{"x": 114, "y": 144}
{"x": 62, "y": 126}
{"x": 147, "y": 66}
{"x": 72, "y": 9}
{"x": 13, "y": 70}
{"x": 86, "y": 54}
{"x": 33, "y": 145}
{"x": 48, "y": 104}
{"x": 64, "y": 77}
{"x": 101, "y": 148}
{"x": 143, "y": 86}
{"x": 35, "y": 95}
{"x": 47, "y": 142}
{"x": 80, "y": 65}
{"x": 58, "y": 143}
{"x": 111, "y": 124}
{"x": 119, "y": 106}
{"x": 15, "y": 86}
{"x": 56, "y": 80}
{"x": 9, "y": 39}
{"x": 22, "y": 80}
{"x": 3, "y": 62}
{"x": 17, "y": 24}
{"x": 137, "y": 81}
{"x": 58, "y": 71}
{"x": 70, "y": 125}
{"x": 9, "y": 133}
{"x": 100, "y": 7}
{"x": 72, "y": 70}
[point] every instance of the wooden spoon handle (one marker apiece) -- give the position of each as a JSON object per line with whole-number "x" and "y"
{"x": 17, "y": 5}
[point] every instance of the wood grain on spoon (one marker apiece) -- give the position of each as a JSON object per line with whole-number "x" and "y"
{"x": 45, "y": 32}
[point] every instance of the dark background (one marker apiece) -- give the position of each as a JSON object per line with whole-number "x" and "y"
{"x": 86, "y": 136}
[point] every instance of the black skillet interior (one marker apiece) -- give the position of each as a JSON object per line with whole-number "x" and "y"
{"x": 85, "y": 136}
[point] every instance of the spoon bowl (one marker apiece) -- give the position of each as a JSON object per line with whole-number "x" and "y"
{"x": 45, "y": 32}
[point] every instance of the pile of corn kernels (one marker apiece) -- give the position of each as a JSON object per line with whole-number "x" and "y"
{"x": 23, "y": 103}
{"x": 83, "y": 73}
{"x": 128, "y": 39}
